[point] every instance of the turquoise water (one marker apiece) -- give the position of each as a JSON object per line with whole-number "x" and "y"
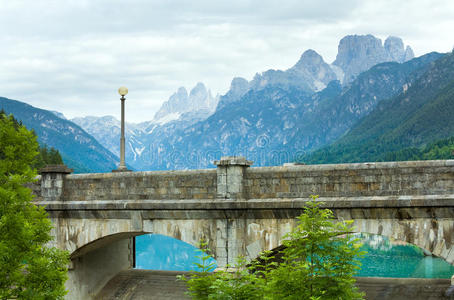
{"x": 384, "y": 258}
{"x": 159, "y": 252}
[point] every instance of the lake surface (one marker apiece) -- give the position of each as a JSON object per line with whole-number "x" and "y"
{"x": 384, "y": 258}
{"x": 159, "y": 252}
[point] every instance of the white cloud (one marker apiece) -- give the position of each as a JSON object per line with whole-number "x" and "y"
{"x": 72, "y": 56}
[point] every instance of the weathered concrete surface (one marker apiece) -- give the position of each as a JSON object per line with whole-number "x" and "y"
{"x": 240, "y": 210}
{"x": 162, "y": 285}
{"x": 90, "y": 272}
{"x": 351, "y": 180}
{"x": 285, "y": 182}
{"x": 162, "y": 185}
{"x": 230, "y": 173}
{"x": 247, "y": 227}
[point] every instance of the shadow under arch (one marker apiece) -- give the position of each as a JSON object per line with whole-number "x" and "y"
{"x": 103, "y": 242}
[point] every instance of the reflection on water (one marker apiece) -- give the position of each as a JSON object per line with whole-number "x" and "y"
{"x": 384, "y": 258}
{"x": 159, "y": 252}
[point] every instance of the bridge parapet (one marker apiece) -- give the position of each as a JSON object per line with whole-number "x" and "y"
{"x": 351, "y": 180}
{"x": 157, "y": 185}
{"x": 234, "y": 180}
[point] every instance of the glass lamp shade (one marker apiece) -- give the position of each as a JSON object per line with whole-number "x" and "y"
{"x": 122, "y": 91}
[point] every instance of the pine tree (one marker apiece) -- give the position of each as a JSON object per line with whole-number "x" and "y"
{"x": 47, "y": 156}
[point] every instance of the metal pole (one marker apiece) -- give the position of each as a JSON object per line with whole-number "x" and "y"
{"x": 122, "y": 138}
{"x": 122, "y": 167}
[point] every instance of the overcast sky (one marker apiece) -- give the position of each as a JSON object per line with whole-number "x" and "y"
{"x": 71, "y": 56}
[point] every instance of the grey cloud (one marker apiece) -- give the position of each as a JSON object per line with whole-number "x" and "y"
{"x": 71, "y": 56}
{"x": 74, "y": 18}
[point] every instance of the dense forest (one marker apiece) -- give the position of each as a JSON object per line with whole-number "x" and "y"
{"x": 46, "y": 156}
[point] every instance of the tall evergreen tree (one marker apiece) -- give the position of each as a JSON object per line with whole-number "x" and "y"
{"x": 47, "y": 156}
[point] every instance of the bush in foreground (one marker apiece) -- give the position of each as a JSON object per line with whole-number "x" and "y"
{"x": 318, "y": 261}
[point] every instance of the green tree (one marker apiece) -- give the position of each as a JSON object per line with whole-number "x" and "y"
{"x": 29, "y": 269}
{"x": 47, "y": 156}
{"x": 320, "y": 258}
{"x": 318, "y": 261}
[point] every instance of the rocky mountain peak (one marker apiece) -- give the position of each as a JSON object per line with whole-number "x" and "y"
{"x": 409, "y": 54}
{"x": 358, "y": 53}
{"x": 182, "y": 93}
{"x": 395, "y": 48}
{"x": 199, "y": 99}
{"x": 309, "y": 57}
{"x": 199, "y": 95}
{"x": 199, "y": 90}
{"x": 313, "y": 68}
{"x": 239, "y": 85}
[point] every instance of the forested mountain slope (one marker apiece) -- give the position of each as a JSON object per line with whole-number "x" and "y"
{"x": 419, "y": 115}
{"x": 78, "y": 149}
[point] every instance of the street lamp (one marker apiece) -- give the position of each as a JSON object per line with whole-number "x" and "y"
{"x": 122, "y": 167}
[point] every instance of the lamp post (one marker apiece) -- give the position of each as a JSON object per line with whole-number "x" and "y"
{"x": 122, "y": 167}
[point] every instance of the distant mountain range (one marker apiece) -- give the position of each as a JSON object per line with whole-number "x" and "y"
{"x": 421, "y": 114}
{"x": 278, "y": 116}
{"x": 179, "y": 111}
{"x": 269, "y": 118}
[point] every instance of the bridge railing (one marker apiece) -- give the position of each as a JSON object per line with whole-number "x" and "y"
{"x": 235, "y": 180}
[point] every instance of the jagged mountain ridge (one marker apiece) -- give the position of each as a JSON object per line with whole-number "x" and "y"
{"x": 327, "y": 118}
{"x": 274, "y": 125}
{"x": 271, "y": 108}
{"x": 107, "y": 131}
{"x": 180, "y": 110}
{"x": 198, "y": 101}
{"x": 419, "y": 115}
{"x": 358, "y": 53}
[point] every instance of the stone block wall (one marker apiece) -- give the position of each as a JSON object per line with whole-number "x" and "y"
{"x": 168, "y": 185}
{"x": 350, "y": 180}
{"x": 235, "y": 180}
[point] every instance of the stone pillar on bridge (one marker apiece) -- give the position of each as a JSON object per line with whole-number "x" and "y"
{"x": 230, "y": 171}
{"x": 52, "y": 181}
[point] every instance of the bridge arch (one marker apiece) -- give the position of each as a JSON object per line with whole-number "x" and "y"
{"x": 103, "y": 242}
{"x": 80, "y": 236}
{"x": 434, "y": 237}
{"x": 386, "y": 258}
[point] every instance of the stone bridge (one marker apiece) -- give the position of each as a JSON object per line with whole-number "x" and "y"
{"x": 238, "y": 210}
